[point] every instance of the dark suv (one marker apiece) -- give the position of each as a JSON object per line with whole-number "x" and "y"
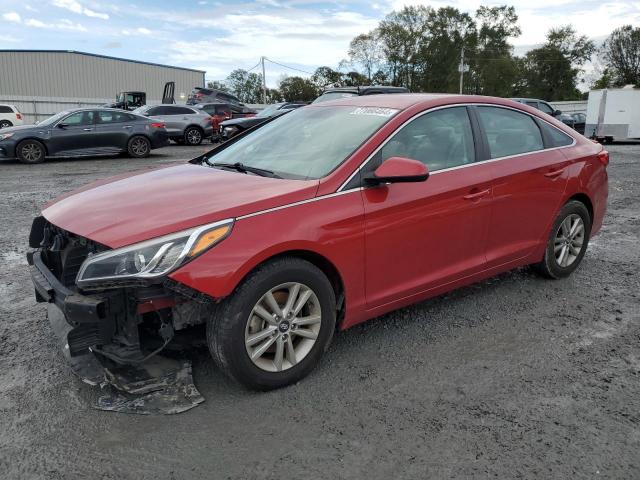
{"x": 345, "y": 92}
{"x": 210, "y": 95}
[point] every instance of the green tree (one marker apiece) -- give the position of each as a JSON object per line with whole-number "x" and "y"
{"x": 325, "y": 77}
{"x": 366, "y": 50}
{"x": 606, "y": 80}
{"x": 621, "y": 52}
{"x": 217, "y": 85}
{"x": 403, "y": 37}
{"x": 494, "y": 70}
{"x": 551, "y": 71}
{"x": 294, "y": 89}
{"x": 355, "y": 79}
{"x": 245, "y": 85}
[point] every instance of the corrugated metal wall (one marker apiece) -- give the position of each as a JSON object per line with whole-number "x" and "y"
{"x": 60, "y": 77}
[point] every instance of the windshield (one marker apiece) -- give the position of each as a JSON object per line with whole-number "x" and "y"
{"x": 307, "y": 143}
{"x": 268, "y": 110}
{"x": 54, "y": 118}
{"x": 325, "y": 97}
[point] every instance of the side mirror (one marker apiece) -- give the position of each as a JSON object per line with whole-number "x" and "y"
{"x": 398, "y": 169}
{"x": 557, "y": 113}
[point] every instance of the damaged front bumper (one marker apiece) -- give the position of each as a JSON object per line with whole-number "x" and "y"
{"x": 99, "y": 336}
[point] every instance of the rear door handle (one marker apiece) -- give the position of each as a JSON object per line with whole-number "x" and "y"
{"x": 477, "y": 195}
{"x": 127, "y": 126}
{"x": 554, "y": 173}
{"x": 87, "y": 129}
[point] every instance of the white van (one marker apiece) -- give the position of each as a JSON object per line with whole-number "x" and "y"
{"x": 10, "y": 116}
{"x": 613, "y": 114}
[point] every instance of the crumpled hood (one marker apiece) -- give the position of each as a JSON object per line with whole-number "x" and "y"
{"x": 137, "y": 206}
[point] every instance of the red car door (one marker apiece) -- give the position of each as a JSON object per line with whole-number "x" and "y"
{"x": 529, "y": 181}
{"x": 426, "y": 234}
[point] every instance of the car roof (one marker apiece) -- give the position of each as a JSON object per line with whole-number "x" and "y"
{"x": 403, "y": 101}
{"x": 524, "y": 99}
{"x": 365, "y": 89}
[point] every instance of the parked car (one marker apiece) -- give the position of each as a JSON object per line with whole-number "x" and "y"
{"x": 223, "y": 111}
{"x": 579, "y": 121}
{"x": 346, "y": 92}
{"x": 540, "y": 105}
{"x": 83, "y": 132}
{"x": 10, "y": 116}
{"x": 211, "y": 95}
{"x": 322, "y": 218}
{"x": 230, "y": 128}
{"x": 184, "y": 124}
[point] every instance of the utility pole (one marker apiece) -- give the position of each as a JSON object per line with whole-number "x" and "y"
{"x": 461, "y": 68}
{"x": 264, "y": 83}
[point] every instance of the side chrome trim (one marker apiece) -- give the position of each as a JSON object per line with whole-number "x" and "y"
{"x": 481, "y": 162}
{"x": 301, "y": 202}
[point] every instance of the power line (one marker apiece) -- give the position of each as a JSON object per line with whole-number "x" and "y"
{"x": 287, "y": 66}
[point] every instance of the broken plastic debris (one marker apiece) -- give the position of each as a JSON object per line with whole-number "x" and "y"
{"x": 158, "y": 386}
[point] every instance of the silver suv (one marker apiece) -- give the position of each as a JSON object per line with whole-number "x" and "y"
{"x": 184, "y": 124}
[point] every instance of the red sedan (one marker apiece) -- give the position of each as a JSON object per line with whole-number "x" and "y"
{"x": 321, "y": 219}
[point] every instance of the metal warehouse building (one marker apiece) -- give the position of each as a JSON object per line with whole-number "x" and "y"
{"x": 43, "y": 82}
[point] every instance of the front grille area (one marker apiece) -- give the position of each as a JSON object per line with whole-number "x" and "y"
{"x": 63, "y": 252}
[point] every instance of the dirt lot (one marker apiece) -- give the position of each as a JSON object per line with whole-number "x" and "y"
{"x": 517, "y": 377}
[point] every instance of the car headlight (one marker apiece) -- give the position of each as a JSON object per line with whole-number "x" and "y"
{"x": 229, "y": 130}
{"x": 4, "y": 136}
{"x": 152, "y": 258}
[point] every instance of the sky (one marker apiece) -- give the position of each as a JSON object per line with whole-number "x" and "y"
{"x": 218, "y": 36}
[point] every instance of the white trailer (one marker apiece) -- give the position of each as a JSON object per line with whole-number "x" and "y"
{"x": 613, "y": 114}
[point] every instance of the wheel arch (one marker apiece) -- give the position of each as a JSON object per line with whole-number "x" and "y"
{"x": 39, "y": 140}
{"x": 317, "y": 259}
{"x": 583, "y": 198}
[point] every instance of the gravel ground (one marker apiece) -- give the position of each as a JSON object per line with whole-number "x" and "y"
{"x": 515, "y": 377}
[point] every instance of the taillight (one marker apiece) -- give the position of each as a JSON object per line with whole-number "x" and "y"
{"x": 603, "y": 156}
{"x": 18, "y": 115}
{"x": 157, "y": 125}
{"x": 199, "y": 94}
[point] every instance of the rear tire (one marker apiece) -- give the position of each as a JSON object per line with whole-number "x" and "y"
{"x": 193, "y": 136}
{"x": 139, "y": 147}
{"x": 30, "y": 151}
{"x": 266, "y": 354}
{"x": 567, "y": 242}
{"x": 5, "y": 124}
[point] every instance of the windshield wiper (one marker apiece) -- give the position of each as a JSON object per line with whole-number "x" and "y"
{"x": 240, "y": 167}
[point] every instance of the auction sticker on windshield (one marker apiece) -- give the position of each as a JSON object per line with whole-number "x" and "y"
{"x": 378, "y": 111}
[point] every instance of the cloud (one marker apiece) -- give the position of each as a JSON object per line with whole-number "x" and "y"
{"x": 62, "y": 24}
{"x": 76, "y": 7}
{"x": 137, "y": 31}
{"x": 13, "y": 17}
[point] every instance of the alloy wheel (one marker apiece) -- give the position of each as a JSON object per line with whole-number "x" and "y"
{"x": 569, "y": 240}
{"x": 283, "y": 327}
{"x": 31, "y": 152}
{"x": 139, "y": 146}
{"x": 194, "y": 136}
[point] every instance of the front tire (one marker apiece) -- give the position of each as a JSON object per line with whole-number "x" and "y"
{"x": 272, "y": 331}
{"x": 567, "y": 241}
{"x": 139, "y": 147}
{"x": 30, "y": 151}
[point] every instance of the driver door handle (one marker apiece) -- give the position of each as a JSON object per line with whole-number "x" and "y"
{"x": 477, "y": 195}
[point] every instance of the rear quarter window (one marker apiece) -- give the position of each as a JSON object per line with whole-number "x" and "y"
{"x": 555, "y": 137}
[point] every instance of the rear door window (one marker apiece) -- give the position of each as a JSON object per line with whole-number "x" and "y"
{"x": 532, "y": 104}
{"x": 509, "y": 132}
{"x": 5, "y": 109}
{"x": 107, "y": 116}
